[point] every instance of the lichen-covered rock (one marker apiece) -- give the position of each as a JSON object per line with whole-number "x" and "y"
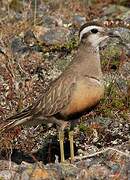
{"x": 55, "y": 36}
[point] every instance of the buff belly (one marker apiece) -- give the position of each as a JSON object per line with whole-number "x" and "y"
{"x": 84, "y": 96}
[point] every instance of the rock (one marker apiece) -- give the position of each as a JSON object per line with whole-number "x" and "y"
{"x": 7, "y": 174}
{"x": 49, "y": 21}
{"x": 55, "y": 36}
{"x": 53, "y": 31}
{"x": 69, "y": 171}
{"x": 97, "y": 172}
{"x": 83, "y": 174}
{"x": 8, "y": 169}
{"x": 125, "y": 34}
{"x": 4, "y": 165}
{"x": 125, "y": 15}
{"x": 39, "y": 31}
{"x": 111, "y": 10}
{"x": 39, "y": 173}
{"x": 79, "y": 20}
{"x": 18, "y": 46}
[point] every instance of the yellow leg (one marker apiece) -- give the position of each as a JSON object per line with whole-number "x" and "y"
{"x": 61, "y": 139}
{"x": 71, "y": 145}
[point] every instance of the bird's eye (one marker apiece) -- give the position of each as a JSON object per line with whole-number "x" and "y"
{"x": 94, "y": 31}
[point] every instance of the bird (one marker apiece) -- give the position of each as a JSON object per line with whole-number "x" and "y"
{"x": 77, "y": 90}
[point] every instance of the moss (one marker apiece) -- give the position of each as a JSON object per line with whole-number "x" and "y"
{"x": 66, "y": 49}
{"x": 117, "y": 103}
{"x": 113, "y": 52}
{"x": 61, "y": 64}
{"x": 85, "y": 129}
{"x": 82, "y": 127}
{"x": 114, "y": 102}
{"x": 72, "y": 44}
{"x": 16, "y": 5}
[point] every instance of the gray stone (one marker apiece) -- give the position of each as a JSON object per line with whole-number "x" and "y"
{"x": 49, "y": 21}
{"x": 125, "y": 34}
{"x": 18, "y": 46}
{"x": 9, "y": 174}
{"x": 56, "y": 36}
{"x": 112, "y": 9}
{"x": 79, "y": 20}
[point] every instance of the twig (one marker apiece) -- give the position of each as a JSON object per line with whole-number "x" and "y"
{"x": 102, "y": 151}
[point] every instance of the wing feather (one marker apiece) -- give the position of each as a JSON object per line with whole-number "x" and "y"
{"x": 50, "y": 103}
{"x": 57, "y": 97}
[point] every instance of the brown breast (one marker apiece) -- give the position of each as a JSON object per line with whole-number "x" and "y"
{"x": 85, "y": 95}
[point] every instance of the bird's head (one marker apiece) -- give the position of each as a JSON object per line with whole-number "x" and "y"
{"x": 93, "y": 33}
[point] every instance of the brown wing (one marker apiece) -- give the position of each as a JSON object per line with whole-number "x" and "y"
{"x": 56, "y": 98}
{"x": 50, "y": 103}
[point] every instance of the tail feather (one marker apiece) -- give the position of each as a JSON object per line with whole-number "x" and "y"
{"x": 26, "y": 116}
{"x": 26, "y": 112}
{"x": 16, "y": 120}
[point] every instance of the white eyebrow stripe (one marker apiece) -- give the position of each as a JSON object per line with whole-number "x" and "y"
{"x": 87, "y": 29}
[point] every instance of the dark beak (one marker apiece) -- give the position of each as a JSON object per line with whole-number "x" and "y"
{"x": 114, "y": 34}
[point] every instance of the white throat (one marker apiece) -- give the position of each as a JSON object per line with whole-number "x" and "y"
{"x": 95, "y": 40}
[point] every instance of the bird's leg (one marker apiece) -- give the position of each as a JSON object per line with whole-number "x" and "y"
{"x": 61, "y": 139}
{"x": 61, "y": 126}
{"x": 71, "y": 145}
